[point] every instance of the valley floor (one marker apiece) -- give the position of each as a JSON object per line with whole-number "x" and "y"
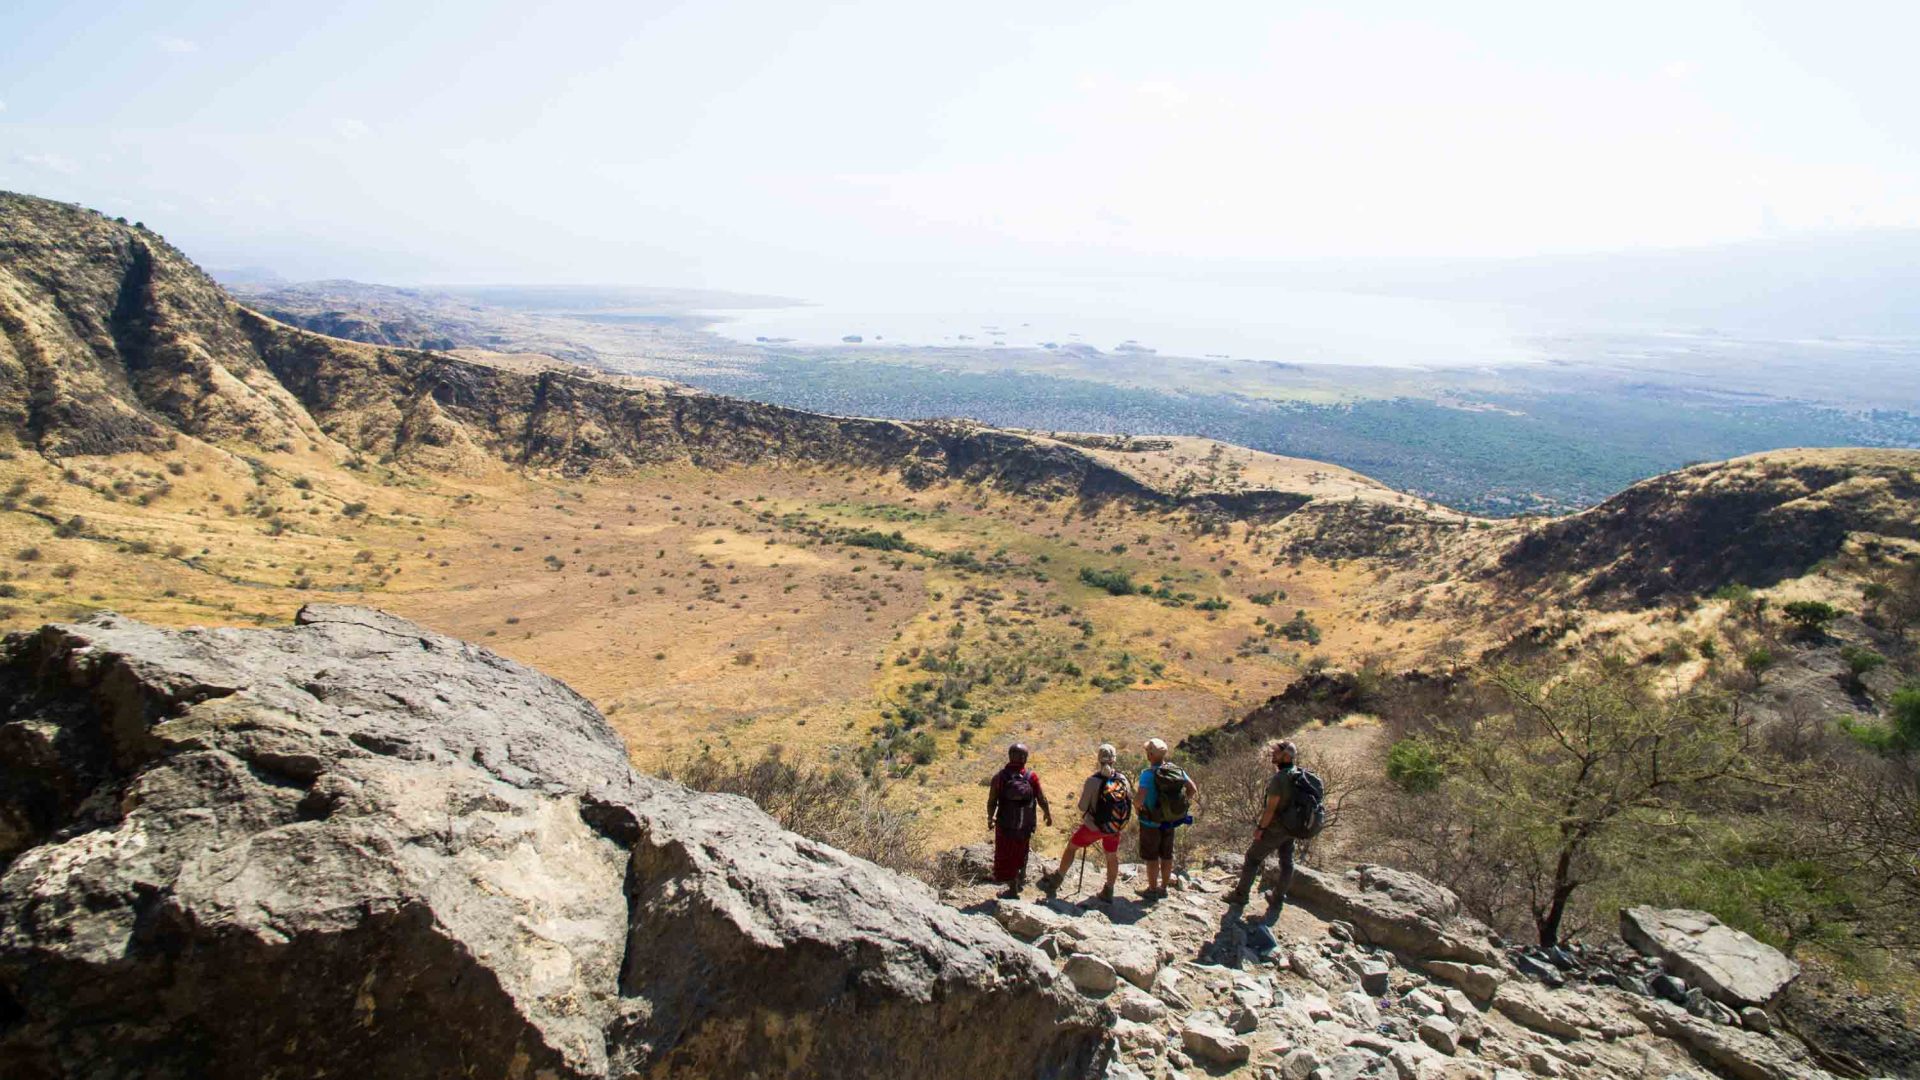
{"x": 737, "y": 610}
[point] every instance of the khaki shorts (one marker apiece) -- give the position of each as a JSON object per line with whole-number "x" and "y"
{"x": 1156, "y": 845}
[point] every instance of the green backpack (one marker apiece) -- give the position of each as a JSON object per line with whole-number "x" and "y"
{"x": 1169, "y": 794}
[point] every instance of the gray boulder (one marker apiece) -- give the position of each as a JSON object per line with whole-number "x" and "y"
{"x": 1730, "y": 965}
{"x": 1440, "y": 1033}
{"x": 1401, "y": 911}
{"x": 1213, "y": 1044}
{"x": 1477, "y": 980}
{"x": 355, "y": 847}
{"x": 1133, "y": 952}
{"x": 1090, "y": 973}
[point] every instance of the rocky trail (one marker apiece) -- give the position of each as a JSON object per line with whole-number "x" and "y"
{"x": 1375, "y": 973}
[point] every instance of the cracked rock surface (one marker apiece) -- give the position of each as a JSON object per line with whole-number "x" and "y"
{"x": 358, "y": 848}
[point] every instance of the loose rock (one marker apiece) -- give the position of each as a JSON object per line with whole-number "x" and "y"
{"x": 1441, "y": 1034}
{"x": 1090, "y": 973}
{"x": 1476, "y": 979}
{"x": 1214, "y": 1044}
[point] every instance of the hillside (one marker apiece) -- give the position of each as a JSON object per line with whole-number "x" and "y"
{"x": 725, "y": 575}
{"x": 1757, "y": 520}
{"x": 715, "y": 573}
{"x": 729, "y": 581}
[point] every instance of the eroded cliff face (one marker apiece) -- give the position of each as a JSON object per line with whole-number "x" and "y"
{"x": 112, "y": 341}
{"x": 355, "y": 847}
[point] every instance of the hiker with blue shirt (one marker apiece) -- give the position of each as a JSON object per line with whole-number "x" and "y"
{"x": 1164, "y": 797}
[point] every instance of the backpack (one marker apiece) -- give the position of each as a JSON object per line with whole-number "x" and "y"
{"x": 1306, "y": 813}
{"x": 1169, "y": 794}
{"x": 1016, "y": 801}
{"x": 1113, "y": 804}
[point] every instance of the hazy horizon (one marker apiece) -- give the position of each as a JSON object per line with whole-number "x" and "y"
{"x": 760, "y": 147}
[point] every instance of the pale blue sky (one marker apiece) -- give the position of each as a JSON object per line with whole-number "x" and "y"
{"x": 765, "y": 145}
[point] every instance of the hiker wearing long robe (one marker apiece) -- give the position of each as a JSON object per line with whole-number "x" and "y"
{"x": 1012, "y": 796}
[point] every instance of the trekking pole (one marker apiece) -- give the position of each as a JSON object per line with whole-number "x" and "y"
{"x": 1081, "y": 885}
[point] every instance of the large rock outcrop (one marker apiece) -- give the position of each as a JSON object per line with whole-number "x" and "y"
{"x": 1400, "y": 911}
{"x": 1730, "y": 965}
{"x": 358, "y": 848}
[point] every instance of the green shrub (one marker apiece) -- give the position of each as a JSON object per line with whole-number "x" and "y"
{"x": 1300, "y": 628}
{"x": 873, "y": 538}
{"x": 1859, "y": 662}
{"x": 1116, "y": 582}
{"x": 1414, "y": 766}
{"x": 1810, "y": 617}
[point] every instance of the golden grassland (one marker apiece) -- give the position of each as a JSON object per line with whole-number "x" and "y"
{"x": 716, "y": 610}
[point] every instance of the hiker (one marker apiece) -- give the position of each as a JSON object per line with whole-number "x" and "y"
{"x": 1106, "y": 802}
{"x": 1011, "y": 797}
{"x": 1268, "y": 835}
{"x": 1164, "y": 795}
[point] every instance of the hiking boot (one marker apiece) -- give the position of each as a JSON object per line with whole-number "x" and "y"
{"x": 1236, "y": 899}
{"x": 1049, "y": 883}
{"x": 1104, "y": 896}
{"x": 1012, "y": 892}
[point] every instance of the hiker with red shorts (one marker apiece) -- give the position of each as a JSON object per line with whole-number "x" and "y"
{"x": 1011, "y": 797}
{"x": 1106, "y": 802}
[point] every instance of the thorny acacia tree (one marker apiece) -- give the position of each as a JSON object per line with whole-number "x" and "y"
{"x": 1565, "y": 770}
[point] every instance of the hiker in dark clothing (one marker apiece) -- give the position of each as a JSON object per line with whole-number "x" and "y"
{"x": 1268, "y": 837}
{"x": 1011, "y": 798}
{"x": 1106, "y": 802}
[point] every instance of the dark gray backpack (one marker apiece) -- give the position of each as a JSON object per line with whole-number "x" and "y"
{"x": 1306, "y": 814}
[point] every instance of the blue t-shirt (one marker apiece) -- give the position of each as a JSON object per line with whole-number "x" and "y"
{"x": 1151, "y": 796}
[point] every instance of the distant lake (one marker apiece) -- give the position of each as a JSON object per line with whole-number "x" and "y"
{"x": 1170, "y": 316}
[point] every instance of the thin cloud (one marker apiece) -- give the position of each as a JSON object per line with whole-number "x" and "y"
{"x": 177, "y": 45}
{"x": 65, "y": 166}
{"x": 350, "y": 129}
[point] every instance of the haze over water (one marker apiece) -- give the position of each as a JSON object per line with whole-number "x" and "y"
{"x": 1175, "y": 316}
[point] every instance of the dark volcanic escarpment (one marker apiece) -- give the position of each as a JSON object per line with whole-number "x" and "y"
{"x": 356, "y": 847}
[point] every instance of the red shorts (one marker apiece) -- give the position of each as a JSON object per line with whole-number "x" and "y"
{"x": 1084, "y": 835}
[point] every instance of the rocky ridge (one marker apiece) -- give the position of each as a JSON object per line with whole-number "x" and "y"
{"x": 1756, "y": 520}
{"x": 1375, "y": 973}
{"x": 356, "y": 846}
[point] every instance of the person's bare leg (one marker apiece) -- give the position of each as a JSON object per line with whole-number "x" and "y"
{"x": 1166, "y": 874}
{"x": 1113, "y": 870}
{"x": 1153, "y": 874}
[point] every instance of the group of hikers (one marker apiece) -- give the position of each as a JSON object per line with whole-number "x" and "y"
{"x": 1162, "y": 798}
